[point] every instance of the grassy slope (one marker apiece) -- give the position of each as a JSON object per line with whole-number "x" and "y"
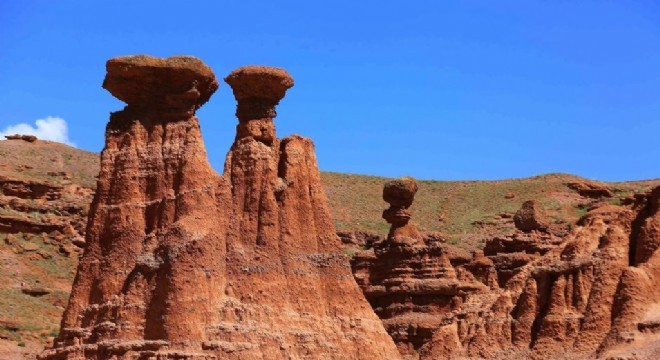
{"x": 456, "y": 208}
{"x": 42, "y": 157}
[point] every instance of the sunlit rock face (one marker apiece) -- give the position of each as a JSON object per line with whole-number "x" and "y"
{"x": 182, "y": 263}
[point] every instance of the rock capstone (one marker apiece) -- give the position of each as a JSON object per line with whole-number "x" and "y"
{"x": 174, "y": 86}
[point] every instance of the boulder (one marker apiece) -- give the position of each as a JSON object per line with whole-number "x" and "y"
{"x": 531, "y": 216}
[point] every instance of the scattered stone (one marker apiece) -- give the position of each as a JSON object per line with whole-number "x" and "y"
{"x": 79, "y": 241}
{"x": 29, "y": 247}
{"x": 63, "y": 174}
{"x": 65, "y": 250}
{"x": 433, "y": 237}
{"x": 10, "y": 239}
{"x": 361, "y": 239}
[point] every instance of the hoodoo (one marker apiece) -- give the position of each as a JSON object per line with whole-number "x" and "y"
{"x": 410, "y": 282}
{"x": 183, "y": 263}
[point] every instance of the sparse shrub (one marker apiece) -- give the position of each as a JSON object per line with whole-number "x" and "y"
{"x": 35, "y": 216}
{"x": 349, "y": 251}
{"x": 581, "y": 211}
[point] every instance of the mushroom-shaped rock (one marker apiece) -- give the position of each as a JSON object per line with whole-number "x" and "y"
{"x": 261, "y": 82}
{"x": 258, "y": 89}
{"x": 400, "y": 192}
{"x": 178, "y": 82}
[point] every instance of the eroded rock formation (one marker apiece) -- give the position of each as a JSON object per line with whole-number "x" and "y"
{"x": 538, "y": 293}
{"x": 410, "y": 280}
{"x": 183, "y": 263}
{"x": 34, "y": 208}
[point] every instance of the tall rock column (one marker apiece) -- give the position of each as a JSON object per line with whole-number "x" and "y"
{"x": 289, "y": 289}
{"x": 152, "y": 262}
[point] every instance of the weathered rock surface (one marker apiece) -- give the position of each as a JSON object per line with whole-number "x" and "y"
{"x": 183, "y": 263}
{"x": 592, "y": 293}
{"x": 171, "y": 87}
{"x": 591, "y": 189}
{"x": 531, "y": 217}
{"x": 28, "y": 138}
{"x": 44, "y": 209}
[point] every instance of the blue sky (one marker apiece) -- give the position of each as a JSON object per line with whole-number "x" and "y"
{"x": 434, "y": 89}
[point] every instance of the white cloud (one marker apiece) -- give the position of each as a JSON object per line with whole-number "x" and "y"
{"x": 51, "y": 128}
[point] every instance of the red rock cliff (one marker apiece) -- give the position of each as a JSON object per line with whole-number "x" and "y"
{"x": 183, "y": 263}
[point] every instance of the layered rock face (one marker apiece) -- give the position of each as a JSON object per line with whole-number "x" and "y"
{"x": 538, "y": 293}
{"x": 410, "y": 281}
{"x": 183, "y": 263}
